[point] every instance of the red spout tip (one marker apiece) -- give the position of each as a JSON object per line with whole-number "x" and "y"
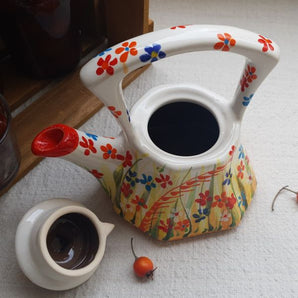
{"x": 54, "y": 141}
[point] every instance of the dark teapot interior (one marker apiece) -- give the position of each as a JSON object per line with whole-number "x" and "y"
{"x": 183, "y": 128}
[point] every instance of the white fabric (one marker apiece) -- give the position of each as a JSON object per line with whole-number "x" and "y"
{"x": 257, "y": 259}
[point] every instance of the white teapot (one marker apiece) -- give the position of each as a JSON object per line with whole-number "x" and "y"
{"x": 178, "y": 169}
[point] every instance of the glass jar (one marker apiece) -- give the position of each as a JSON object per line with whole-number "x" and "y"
{"x": 9, "y": 151}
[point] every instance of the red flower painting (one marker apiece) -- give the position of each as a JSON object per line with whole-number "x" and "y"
{"x": 108, "y": 151}
{"x": 106, "y": 65}
{"x": 126, "y": 49}
{"x": 225, "y": 43}
{"x": 267, "y": 43}
{"x": 89, "y": 145}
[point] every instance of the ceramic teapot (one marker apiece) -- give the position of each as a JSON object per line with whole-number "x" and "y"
{"x": 178, "y": 169}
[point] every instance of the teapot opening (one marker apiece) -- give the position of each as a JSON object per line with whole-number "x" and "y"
{"x": 183, "y": 128}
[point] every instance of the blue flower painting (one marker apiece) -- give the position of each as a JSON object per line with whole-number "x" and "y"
{"x": 153, "y": 53}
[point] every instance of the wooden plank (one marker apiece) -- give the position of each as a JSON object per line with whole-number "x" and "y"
{"x": 126, "y": 19}
{"x": 146, "y": 20}
{"x": 150, "y": 26}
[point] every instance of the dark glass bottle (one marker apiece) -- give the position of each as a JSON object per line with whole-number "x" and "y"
{"x": 9, "y": 151}
{"x": 44, "y": 36}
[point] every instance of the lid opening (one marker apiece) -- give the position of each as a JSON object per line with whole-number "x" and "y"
{"x": 183, "y": 128}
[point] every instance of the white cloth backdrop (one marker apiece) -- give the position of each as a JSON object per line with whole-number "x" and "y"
{"x": 257, "y": 259}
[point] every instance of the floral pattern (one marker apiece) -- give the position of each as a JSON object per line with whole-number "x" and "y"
{"x": 176, "y": 214}
{"x": 225, "y": 216}
{"x": 247, "y": 99}
{"x": 127, "y": 159}
{"x": 176, "y": 27}
{"x": 164, "y": 180}
{"x": 231, "y": 201}
{"x": 147, "y": 181}
{"x": 232, "y": 151}
{"x": 267, "y": 43}
{"x": 139, "y": 202}
{"x": 225, "y": 43}
{"x": 182, "y": 225}
{"x": 90, "y": 135}
{"x": 107, "y": 62}
{"x": 241, "y": 152}
{"x": 247, "y": 159}
{"x": 153, "y": 53}
{"x": 204, "y": 198}
{"x": 166, "y": 209}
{"x": 201, "y": 215}
{"x": 250, "y": 73}
{"x": 248, "y": 76}
{"x": 164, "y": 203}
{"x": 240, "y": 170}
{"x": 228, "y": 177}
{"x": 108, "y": 151}
{"x": 220, "y": 200}
{"x": 242, "y": 199}
{"x": 127, "y": 48}
{"x": 131, "y": 177}
{"x": 126, "y": 207}
{"x": 89, "y": 145}
{"x": 165, "y": 226}
{"x": 126, "y": 190}
{"x": 114, "y": 112}
{"x": 96, "y": 174}
{"x": 106, "y": 65}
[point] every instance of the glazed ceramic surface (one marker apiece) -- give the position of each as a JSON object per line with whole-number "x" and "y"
{"x": 169, "y": 196}
{"x": 31, "y": 248}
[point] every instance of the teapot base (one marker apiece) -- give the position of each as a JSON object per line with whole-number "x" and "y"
{"x": 171, "y": 205}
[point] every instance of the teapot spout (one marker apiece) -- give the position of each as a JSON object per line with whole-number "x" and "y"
{"x": 55, "y": 141}
{"x": 87, "y": 150}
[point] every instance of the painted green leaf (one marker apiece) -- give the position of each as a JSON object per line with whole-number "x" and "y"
{"x": 118, "y": 173}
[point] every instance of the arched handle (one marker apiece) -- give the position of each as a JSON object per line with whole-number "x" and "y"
{"x": 103, "y": 75}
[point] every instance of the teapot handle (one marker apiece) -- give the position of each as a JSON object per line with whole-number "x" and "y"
{"x": 103, "y": 74}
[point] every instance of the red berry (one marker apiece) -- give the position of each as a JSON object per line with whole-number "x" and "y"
{"x": 142, "y": 266}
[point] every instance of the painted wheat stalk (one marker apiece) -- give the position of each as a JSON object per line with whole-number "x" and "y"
{"x": 170, "y": 197}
